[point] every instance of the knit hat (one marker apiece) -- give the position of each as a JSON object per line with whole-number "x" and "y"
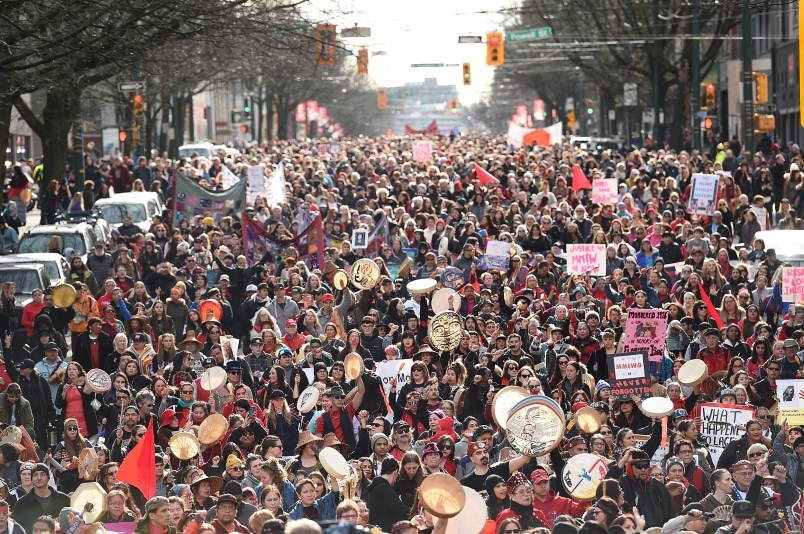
{"x": 233, "y": 460}
{"x": 601, "y": 385}
{"x": 178, "y": 488}
{"x": 673, "y": 461}
{"x": 375, "y": 437}
{"x": 799, "y": 441}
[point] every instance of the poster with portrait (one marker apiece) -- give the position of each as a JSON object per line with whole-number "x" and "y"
{"x": 359, "y": 238}
{"x": 790, "y": 395}
{"x": 703, "y": 198}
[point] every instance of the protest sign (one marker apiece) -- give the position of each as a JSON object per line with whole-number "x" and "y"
{"x": 583, "y": 258}
{"x": 422, "y": 150}
{"x": 192, "y": 200}
{"x": 645, "y": 331}
{"x": 256, "y": 183}
{"x": 659, "y": 455}
{"x": 792, "y": 284}
{"x": 720, "y": 425}
{"x": 604, "y": 191}
{"x": 703, "y": 197}
{"x": 497, "y": 256}
{"x": 385, "y": 371}
{"x": 790, "y": 395}
{"x": 359, "y": 238}
{"x": 629, "y": 375}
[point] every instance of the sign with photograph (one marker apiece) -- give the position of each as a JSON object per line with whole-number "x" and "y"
{"x": 645, "y": 331}
{"x": 790, "y": 395}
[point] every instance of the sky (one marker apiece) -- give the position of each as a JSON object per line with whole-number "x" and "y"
{"x": 420, "y": 31}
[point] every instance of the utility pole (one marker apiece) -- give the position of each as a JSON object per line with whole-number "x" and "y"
{"x": 581, "y": 103}
{"x": 748, "y": 82}
{"x": 695, "y": 85}
{"x": 656, "y": 103}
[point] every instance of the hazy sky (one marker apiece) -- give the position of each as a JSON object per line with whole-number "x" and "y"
{"x": 421, "y": 31}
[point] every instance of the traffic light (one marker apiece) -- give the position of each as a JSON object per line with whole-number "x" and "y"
{"x": 764, "y": 122}
{"x": 708, "y": 123}
{"x": 761, "y": 93}
{"x": 362, "y": 61}
{"x": 590, "y": 106}
{"x": 571, "y": 119}
{"x": 247, "y": 108}
{"x": 454, "y": 105}
{"x": 122, "y": 136}
{"x": 495, "y": 49}
{"x": 709, "y": 97}
{"x": 244, "y": 128}
{"x": 467, "y": 74}
{"x": 236, "y": 115}
{"x": 137, "y": 106}
{"x": 382, "y": 100}
{"x": 326, "y": 54}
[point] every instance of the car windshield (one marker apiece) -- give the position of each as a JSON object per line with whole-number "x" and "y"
{"x": 194, "y": 152}
{"x": 25, "y": 279}
{"x": 114, "y": 213}
{"x": 39, "y": 242}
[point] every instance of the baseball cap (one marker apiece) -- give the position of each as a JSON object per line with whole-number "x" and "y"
{"x": 742, "y": 509}
{"x": 696, "y": 506}
{"x": 256, "y": 340}
{"x": 252, "y": 288}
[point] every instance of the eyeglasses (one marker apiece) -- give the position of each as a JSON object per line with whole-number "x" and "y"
{"x": 764, "y": 416}
{"x": 141, "y": 435}
{"x": 606, "y": 433}
{"x": 777, "y": 369}
{"x": 525, "y": 376}
{"x": 187, "y": 391}
{"x": 71, "y": 428}
{"x": 641, "y": 466}
{"x": 237, "y": 468}
{"x": 686, "y": 451}
{"x": 756, "y": 455}
{"x": 339, "y": 397}
{"x": 376, "y": 425}
{"x": 562, "y": 363}
{"x": 214, "y": 331}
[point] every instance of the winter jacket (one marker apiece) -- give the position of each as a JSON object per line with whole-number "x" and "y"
{"x": 385, "y": 507}
{"x": 555, "y": 505}
{"x": 790, "y": 461}
{"x": 650, "y": 497}
{"x": 325, "y": 506}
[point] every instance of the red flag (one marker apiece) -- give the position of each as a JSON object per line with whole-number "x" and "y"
{"x": 579, "y": 179}
{"x": 138, "y": 467}
{"x": 484, "y": 176}
{"x": 711, "y": 307}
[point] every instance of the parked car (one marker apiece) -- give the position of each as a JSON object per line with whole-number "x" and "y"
{"x": 80, "y": 237}
{"x": 26, "y": 277}
{"x": 205, "y": 150}
{"x": 141, "y": 207}
{"x": 56, "y": 266}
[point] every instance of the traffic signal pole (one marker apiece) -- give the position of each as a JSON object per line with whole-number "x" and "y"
{"x": 695, "y": 85}
{"x": 748, "y": 83}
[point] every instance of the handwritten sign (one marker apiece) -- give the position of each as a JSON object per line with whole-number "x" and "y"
{"x": 583, "y": 258}
{"x": 604, "y": 191}
{"x": 629, "y": 375}
{"x": 422, "y": 150}
{"x": 645, "y": 331}
{"x": 703, "y": 198}
{"x": 720, "y": 425}
{"x": 792, "y": 284}
{"x": 385, "y": 371}
{"x": 790, "y": 394}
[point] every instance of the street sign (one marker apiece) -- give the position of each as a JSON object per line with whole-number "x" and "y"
{"x": 426, "y": 65}
{"x": 533, "y": 34}
{"x": 356, "y": 32}
{"x": 629, "y": 94}
{"x": 470, "y": 39}
{"x": 128, "y": 87}
{"x": 612, "y": 114}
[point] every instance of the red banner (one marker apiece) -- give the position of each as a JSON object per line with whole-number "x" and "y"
{"x": 431, "y": 129}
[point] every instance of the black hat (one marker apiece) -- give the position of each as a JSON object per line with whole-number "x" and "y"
{"x": 273, "y": 526}
{"x": 27, "y": 363}
{"x": 139, "y": 337}
{"x": 256, "y": 340}
{"x": 712, "y": 332}
{"x": 227, "y": 497}
{"x": 482, "y": 429}
{"x": 232, "y": 488}
{"x": 799, "y": 441}
{"x": 335, "y": 391}
{"x": 278, "y": 394}
{"x": 234, "y": 366}
{"x": 399, "y": 425}
{"x": 638, "y": 455}
{"x": 208, "y": 362}
{"x": 40, "y": 467}
{"x": 704, "y": 326}
{"x": 742, "y": 509}
{"x": 696, "y": 506}
{"x": 52, "y": 345}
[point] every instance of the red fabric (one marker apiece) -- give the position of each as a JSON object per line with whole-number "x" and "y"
{"x": 138, "y": 467}
{"x": 431, "y": 128}
{"x": 484, "y": 177}
{"x": 713, "y": 313}
{"x": 555, "y": 505}
{"x": 579, "y": 179}
{"x": 510, "y": 514}
{"x": 29, "y": 314}
{"x": 337, "y": 424}
{"x": 94, "y": 353}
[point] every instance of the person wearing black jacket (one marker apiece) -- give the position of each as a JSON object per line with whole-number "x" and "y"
{"x": 648, "y": 494}
{"x": 92, "y": 340}
{"x": 369, "y": 338}
{"x": 37, "y": 391}
{"x": 41, "y": 500}
{"x": 385, "y": 507}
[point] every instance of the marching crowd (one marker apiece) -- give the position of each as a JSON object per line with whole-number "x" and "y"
{"x": 190, "y": 333}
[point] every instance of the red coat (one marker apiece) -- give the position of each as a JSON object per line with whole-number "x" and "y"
{"x": 716, "y": 360}
{"x": 556, "y": 505}
{"x": 510, "y": 514}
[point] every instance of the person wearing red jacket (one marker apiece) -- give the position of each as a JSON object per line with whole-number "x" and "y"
{"x": 521, "y": 493}
{"x": 548, "y": 503}
{"x": 713, "y": 354}
{"x": 31, "y": 310}
{"x": 292, "y": 338}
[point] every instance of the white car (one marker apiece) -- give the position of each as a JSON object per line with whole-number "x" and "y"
{"x": 141, "y": 207}
{"x": 205, "y": 150}
{"x": 55, "y": 264}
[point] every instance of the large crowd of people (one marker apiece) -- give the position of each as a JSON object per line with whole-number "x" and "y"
{"x": 159, "y": 311}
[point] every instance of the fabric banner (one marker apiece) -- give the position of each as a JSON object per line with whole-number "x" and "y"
{"x": 430, "y": 129}
{"x": 257, "y": 242}
{"x": 545, "y": 137}
{"x": 790, "y": 395}
{"x": 792, "y": 284}
{"x": 377, "y": 236}
{"x": 645, "y": 331}
{"x": 191, "y": 200}
{"x": 516, "y": 134}
{"x": 604, "y": 191}
{"x": 583, "y": 258}
{"x": 703, "y": 198}
{"x": 629, "y": 375}
{"x": 722, "y": 424}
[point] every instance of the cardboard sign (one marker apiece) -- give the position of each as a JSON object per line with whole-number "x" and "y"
{"x": 720, "y": 425}
{"x": 629, "y": 375}
{"x": 385, "y": 371}
{"x": 497, "y": 256}
{"x": 645, "y": 331}
{"x": 703, "y": 198}
{"x": 790, "y": 395}
{"x": 604, "y": 191}
{"x": 359, "y": 238}
{"x": 792, "y": 284}
{"x": 422, "y": 150}
{"x": 583, "y": 258}
{"x": 659, "y": 455}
